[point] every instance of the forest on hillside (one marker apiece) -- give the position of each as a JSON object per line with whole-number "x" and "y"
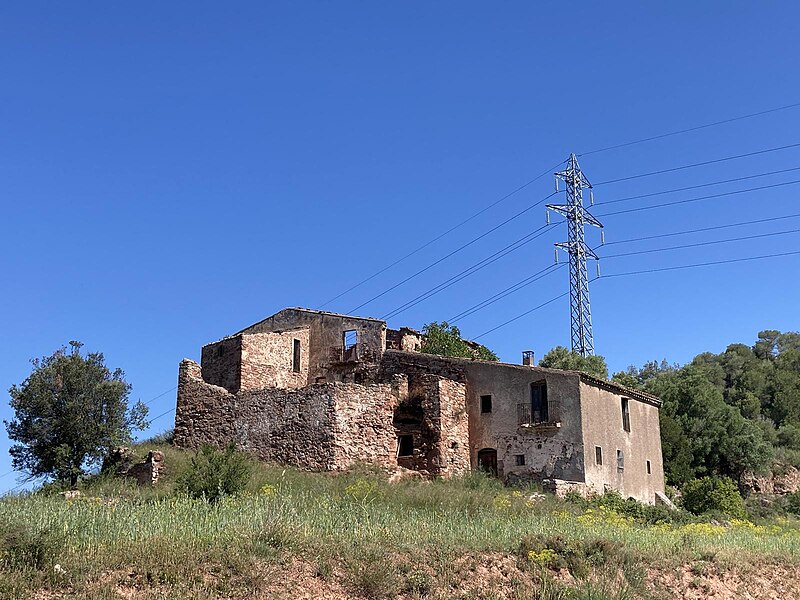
{"x": 728, "y": 413}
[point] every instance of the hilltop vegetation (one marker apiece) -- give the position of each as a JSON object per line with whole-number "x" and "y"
{"x": 729, "y": 413}
{"x": 291, "y": 534}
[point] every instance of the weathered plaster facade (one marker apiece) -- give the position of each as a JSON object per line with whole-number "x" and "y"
{"x": 324, "y": 391}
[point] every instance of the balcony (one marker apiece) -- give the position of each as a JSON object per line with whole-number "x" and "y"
{"x": 528, "y": 418}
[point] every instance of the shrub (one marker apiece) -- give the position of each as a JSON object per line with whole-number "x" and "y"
{"x": 713, "y": 494}
{"x": 579, "y": 556}
{"x": 793, "y": 503}
{"x": 23, "y": 547}
{"x": 215, "y": 473}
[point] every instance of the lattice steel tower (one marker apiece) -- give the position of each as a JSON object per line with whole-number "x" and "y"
{"x": 577, "y": 216}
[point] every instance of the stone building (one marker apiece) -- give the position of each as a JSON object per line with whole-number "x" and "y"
{"x": 323, "y": 391}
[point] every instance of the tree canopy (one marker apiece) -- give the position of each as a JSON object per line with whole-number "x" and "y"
{"x": 68, "y": 413}
{"x": 728, "y": 413}
{"x": 561, "y": 358}
{"x": 445, "y": 340}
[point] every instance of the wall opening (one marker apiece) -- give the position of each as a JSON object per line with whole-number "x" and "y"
{"x": 486, "y": 403}
{"x": 539, "y": 406}
{"x": 487, "y": 460}
{"x": 405, "y": 445}
{"x": 626, "y": 414}
{"x": 519, "y": 460}
{"x": 649, "y": 470}
{"x": 349, "y": 339}
{"x": 296, "y": 356}
{"x": 620, "y": 460}
{"x": 598, "y": 456}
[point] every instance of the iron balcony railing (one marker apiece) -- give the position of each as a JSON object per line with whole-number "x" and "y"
{"x": 527, "y": 416}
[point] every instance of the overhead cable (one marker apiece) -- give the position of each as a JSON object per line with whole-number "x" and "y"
{"x": 471, "y": 270}
{"x": 694, "y": 187}
{"x": 457, "y": 250}
{"x": 698, "y": 244}
{"x": 441, "y": 235}
{"x": 656, "y": 270}
{"x": 690, "y": 129}
{"x": 698, "y": 199}
{"x": 702, "y": 229}
{"x": 700, "y": 164}
{"x": 506, "y": 292}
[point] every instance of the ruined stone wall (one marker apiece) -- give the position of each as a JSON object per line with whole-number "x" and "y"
{"x": 363, "y": 429}
{"x": 267, "y": 360}
{"x": 395, "y": 362}
{"x": 603, "y": 427}
{"x": 222, "y": 363}
{"x": 448, "y": 410}
{"x": 289, "y": 426}
{"x": 326, "y": 337}
{"x": 318, "y": 427}
{"x": 552, "y": 450}
{"x": 405, "y": 339}
{"x": 204, "y": 412}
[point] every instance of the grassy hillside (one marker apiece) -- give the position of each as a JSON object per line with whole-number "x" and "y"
{"x": 294, "y": 534}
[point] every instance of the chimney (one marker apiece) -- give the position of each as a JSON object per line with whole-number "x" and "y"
{"x": 528, "y": 358}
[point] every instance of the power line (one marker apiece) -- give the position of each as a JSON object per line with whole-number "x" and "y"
{"x": 457, "y": 250}
{"x": 694, "y": 187}
{"x": 703, "y": 229}
{"x": 471, "y": 270}
{"x": 657, "y": 270}
{"x": 736, "y": 239}
{"x": 165, "y": 413}
{"x": 700, "y": 164}
{"x": 527, "y": 312}
{"x": 540, "y": 274}
{"x": 690, "y": 129}
{"x": 440, "y": 236}
{"x": 689, "y": 200}
{"x": 160, "y": 395}
{"x": 506, "y": 292}
{"x": 703, "y": 264}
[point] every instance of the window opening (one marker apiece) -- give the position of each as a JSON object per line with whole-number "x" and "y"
{"x": 519, "y": 459}
{"x": 626, "y": 414}
{"x": 405, "y": 445}
{"x": 539, "y": 407}
{"x": 649, "y": 471}
{"x": 296, "y": 356}
{"x": 350, "y": 339}
{"x": 486, "y": 403}
{"x": 620, "y": 460}
{"x": 598, "y": 455}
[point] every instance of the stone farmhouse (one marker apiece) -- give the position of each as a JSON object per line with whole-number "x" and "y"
{"x": 323, "y": 391}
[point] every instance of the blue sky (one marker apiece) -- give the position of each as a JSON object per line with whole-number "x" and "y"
{"x": 172, "y": 173}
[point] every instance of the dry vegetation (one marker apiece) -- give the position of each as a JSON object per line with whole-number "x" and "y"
{"x": 301, "y": 535}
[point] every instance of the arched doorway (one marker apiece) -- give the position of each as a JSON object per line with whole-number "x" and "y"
{"x": 487, "y": 460}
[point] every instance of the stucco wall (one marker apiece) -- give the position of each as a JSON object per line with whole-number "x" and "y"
{"x": 267, "y": 360}
{"x": 602, "y": 426}
{"x": 553, "y": 450}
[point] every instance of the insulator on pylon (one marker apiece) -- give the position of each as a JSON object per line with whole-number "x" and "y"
{"x": 547, "y": 212}
{"x": 598, "y": 268}
{"x": 602, "y": 237}
{"x": 556, "y": 255}
{"x": 556, "y": 184}
{"x": 591, "y": 197}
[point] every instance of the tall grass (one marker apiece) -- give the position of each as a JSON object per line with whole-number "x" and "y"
{"x": 355, "y": 522}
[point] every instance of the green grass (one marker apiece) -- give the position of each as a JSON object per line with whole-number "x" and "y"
{"x": 371, "y": 537}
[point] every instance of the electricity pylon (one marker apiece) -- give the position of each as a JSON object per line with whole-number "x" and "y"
{"x": 577, "y": 216}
